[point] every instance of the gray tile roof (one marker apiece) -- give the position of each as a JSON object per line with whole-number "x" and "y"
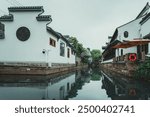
{"x": 25, "y": 8}
{"x": 6, "y": 18}
{"x": 43, "y": 18}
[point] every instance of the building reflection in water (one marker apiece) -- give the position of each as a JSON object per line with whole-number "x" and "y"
{"x": 85, "y": 84}
{"x": 36, "y": 87}
{"x": 122, "y": 88}
{"x": 41, "y": 87}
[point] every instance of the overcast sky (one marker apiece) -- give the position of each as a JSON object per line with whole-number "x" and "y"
{"x": 90, "y": 21}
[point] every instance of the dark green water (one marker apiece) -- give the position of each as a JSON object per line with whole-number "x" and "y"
{"x": 80, "y": 85}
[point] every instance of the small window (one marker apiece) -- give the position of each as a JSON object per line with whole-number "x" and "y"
{"x": 2, "y": 31}
{"x": 72, "y": 52}
{"x": 52, "y": 42}
{"x": 121, "y": 52}
{"x": 126, "y": 34}
{"x": 62, "y": 49}
{"x": 68, "y": 53}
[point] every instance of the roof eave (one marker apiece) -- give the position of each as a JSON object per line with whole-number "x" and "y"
{"x": 145, "y": 8}
{"x": 6, "y": 18}
{"x": 50, "y": 30}
{"x": 145, "y": 19}
{"x": 44, "y": 18}
{"x": 25, "y": 9}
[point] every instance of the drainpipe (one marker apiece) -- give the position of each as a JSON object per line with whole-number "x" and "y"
{"x": 50, "y": 18}
{"x": 49, "y": 22}
{"x": 46, "y": 52}
{"x": 41, "y": 12}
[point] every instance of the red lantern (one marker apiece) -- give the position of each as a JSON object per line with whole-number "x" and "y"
{"x": 132, "y": 57}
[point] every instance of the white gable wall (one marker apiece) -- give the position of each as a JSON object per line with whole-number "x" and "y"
{"x": 14, "y": 50}
{"x": 133, "y": 29}
{"x": 145, "y": 29}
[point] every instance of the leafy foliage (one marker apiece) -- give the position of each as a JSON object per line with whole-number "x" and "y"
{"x": 96, "y": 54}
{"x": 80, "y": 51}
{"x": 78, "y": 46}
{"x": 143, "y": 70}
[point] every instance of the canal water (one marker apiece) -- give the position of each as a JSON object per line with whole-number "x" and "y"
{"x": 88, "y": 84}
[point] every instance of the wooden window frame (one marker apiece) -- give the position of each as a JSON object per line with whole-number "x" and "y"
{"x": 52, "y": 42}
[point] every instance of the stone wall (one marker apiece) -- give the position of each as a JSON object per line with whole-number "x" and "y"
{"x": 27, "y": 70}
{"x": 123, "y": 68}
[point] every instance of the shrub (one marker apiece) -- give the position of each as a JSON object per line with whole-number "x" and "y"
{"x": 143, "y": 71}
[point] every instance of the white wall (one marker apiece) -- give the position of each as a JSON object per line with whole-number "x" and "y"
{"x": 54, "y": 52}
{"x": 126, "y": 51}
{"x": 14, "y": 50}
{"x": 130, "y": 50}
{"x": 145, "y": 28}
{"x": 133, "y": 29}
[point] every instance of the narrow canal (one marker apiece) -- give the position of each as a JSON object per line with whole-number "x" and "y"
{"x": 80, "y": 85}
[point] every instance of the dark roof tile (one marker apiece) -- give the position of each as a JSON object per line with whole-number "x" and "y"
{"x": 25, "y": 8}
{"x": 145, "y": 19}
{"x": 59, "y": 35}
{"x": 43, "y": 18}
{"x": 49, "y": 29}
{"x": 6, "y": 18}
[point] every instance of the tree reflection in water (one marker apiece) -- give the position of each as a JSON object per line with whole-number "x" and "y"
{"x": 119, "y": 88}
{"x": 83, "y": 84}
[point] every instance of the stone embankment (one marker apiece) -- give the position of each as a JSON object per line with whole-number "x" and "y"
{"x": 126, "y": 69}
{"x": 25, "y": 70}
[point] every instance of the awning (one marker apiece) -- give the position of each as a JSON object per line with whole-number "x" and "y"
{"x": 131, "y": 43}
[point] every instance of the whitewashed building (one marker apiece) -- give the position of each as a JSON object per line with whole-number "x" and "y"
{"x": 131, "y": 38}
{"x": 26, "y": 39}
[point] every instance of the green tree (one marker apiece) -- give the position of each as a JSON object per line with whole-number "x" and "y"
{"x": 143, "y": 71}
{"x": 78, "y": 46}
{"x": 74, "y": 42}
{"x": 96, "y": 54}
{"x": 80, "y": 50}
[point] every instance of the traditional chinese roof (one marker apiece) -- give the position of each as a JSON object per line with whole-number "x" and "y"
{"x": 59, "y": 35}
{"x": 64, "y": 39}
{"x": 6, "y": 18}
{"x": 25, "y": 8}
{"x": 50, "y": 30}
{"x": 40, "y": 9}
{"x": 110, "y": 45}
{"x": 44, "y": 18}
{"x": 145, "y": 19}
{"x": 143, "y": 11}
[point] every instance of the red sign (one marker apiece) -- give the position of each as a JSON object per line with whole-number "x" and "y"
{"x": 132, "y": 57}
